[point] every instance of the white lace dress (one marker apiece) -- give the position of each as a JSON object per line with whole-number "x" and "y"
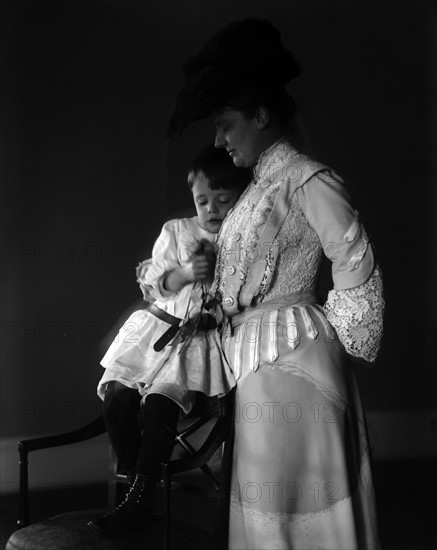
{"x": 301, "y": 476}
{"x": 178, "y": 370}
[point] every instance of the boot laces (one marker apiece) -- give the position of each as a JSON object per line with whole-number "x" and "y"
{"x": 132, "y": 498}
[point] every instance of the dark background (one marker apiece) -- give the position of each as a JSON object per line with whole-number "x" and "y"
{"x": 87, "y": 178}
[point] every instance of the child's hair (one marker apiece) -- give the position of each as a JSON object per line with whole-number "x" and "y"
{"x": 218, "y": 168}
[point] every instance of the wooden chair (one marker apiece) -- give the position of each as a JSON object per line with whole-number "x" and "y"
{"x": 204, "y": 435}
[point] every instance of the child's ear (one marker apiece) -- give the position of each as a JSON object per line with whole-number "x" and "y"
{"x": 262, "y": 117}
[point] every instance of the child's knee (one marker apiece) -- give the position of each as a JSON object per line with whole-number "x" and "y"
{"x": 118, "y": 396}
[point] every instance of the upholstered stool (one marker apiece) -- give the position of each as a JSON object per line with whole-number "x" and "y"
{"x": 70, "y": 532}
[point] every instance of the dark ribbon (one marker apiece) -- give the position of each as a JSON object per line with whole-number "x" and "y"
{"x": 170, "y": 333}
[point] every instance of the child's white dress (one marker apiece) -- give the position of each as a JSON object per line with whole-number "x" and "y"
{"x": 177, "y": 370}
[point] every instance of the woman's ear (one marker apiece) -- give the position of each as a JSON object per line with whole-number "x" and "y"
{"x": 262, "y": 117}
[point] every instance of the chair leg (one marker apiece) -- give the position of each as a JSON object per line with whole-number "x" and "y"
{"x": 24, "y": 487}
{"x": 166, "y": 483}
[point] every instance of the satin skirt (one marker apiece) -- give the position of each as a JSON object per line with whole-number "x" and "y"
{"x": 301, "y": 474}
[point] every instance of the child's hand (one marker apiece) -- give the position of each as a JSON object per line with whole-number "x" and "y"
{"x": 200, "y": 268}
{"x": 202, "y": 262}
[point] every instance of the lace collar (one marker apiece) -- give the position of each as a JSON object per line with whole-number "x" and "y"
{"x": 273, "y": 159}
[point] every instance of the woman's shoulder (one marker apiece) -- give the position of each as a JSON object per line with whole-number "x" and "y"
{"x": 301, "y": 168}
{"x": 284, "y": 162}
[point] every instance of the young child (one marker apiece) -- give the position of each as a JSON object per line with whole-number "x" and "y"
{"x": 167, "y": 352}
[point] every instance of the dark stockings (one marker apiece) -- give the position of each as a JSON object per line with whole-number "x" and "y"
{"x": 160, "y": 415}
{"x": 140, "y": 448}
{"x": 139, "y": 434}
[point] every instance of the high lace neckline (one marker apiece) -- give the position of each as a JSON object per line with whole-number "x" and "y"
{"x": 272, "y": 158}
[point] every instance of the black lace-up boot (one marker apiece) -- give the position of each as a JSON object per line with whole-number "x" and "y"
{"x": 130, "y": 476}
{"x": 133, "y": 514}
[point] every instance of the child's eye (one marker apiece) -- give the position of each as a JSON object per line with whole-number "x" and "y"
{"x": 201, "y": 203}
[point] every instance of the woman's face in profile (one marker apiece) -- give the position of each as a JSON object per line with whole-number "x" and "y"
{"x": 239, "y": 135}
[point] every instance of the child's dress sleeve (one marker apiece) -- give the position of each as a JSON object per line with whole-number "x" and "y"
{"x": 355, "y": 306}
{"x": 152, "y": 272}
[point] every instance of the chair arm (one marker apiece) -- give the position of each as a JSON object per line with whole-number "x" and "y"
{"x": 93, "y": 429}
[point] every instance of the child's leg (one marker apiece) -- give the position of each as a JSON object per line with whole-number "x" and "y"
{"x": 158, "y": 412}
{"x": 120, "y": 411}
{"x": 135, "y": 512}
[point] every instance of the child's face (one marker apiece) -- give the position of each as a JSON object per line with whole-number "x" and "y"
{"x": 212, "y": 205}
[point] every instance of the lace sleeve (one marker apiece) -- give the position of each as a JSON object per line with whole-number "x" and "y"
{"x": 357, "y": 316}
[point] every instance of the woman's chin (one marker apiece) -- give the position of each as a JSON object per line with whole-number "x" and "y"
{"x": 242, "y": 161}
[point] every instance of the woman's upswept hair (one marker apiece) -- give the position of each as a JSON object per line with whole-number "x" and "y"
{"x": 246, "y": 62}
{"x": 218, "y": 168}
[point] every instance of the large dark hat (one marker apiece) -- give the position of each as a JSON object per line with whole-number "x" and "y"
{"x": 246, "y": 53}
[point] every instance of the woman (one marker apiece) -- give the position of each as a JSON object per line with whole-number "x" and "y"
{"x": 301, "y": 475}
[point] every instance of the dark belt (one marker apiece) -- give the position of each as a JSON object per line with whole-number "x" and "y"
{"x": 167, "y": 318}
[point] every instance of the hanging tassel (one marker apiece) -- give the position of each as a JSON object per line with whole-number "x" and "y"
{"x": 310, "y": 327}
{"x": 292, "y": 330}
{"x": 254, "y": 347}
{"x": 327, "y": 327}
{"x": 273, "y": 352}
{"x": 238, "y": 360}
{"x": 189, "y": 330}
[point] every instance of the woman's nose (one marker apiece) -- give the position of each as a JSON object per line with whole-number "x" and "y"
{"x": 219, "y": 140}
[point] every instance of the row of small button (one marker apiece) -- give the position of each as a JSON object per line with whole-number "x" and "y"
{"x": 231, "y": 270}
